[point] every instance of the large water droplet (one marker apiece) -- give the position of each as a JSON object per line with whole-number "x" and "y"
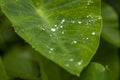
{"x": 87, "y": 38}
{"x": 75, "y": 42}
{"x": 53, "y": 29}
{"x": 79, "y": 22}
{"x": 79, "y": 63}
{"x": 51, "y": 49}
{"x": 93, "y": 33}
{"x": 61, "y": 26}
{"x": 62, "y": 21}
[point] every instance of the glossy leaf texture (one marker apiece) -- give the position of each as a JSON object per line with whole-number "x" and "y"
{"x": 96, "y": 71}
{"x": 3, "y": 75}
{"x": 111, "y": 31}
{"x": 64, "y": 31}
{"x": 19, "y": 62}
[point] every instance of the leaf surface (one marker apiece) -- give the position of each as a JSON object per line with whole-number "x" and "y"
{"x": 64, "y": 31}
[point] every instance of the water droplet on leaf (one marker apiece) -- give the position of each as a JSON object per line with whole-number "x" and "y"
{"x": 67, "y": 65}
{"x": 53, "y": 29}
{"x": 93, "y": 33}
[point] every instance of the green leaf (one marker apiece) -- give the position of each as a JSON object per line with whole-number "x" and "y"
{"x": 111, "y": 32}
{"x": 64, "y": 31}
{"x": 19, "y": 62}
{"x": 96, "y": 71}
{"x": 108, "y": 56}
{"x": 3, "y": 75}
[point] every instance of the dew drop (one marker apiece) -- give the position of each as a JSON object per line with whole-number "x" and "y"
{"x": 79, "y": 63}
{"x": 67, "y": 65}
{"x": 99, "y": 17}
{"x": 89, "y": 16}
{"x": 89, "y": 2}
{"x": 79, "y": 22}
{"x": 51, "y": 49}
{"x": 62, "y": 21}
{"x": 61, "y": 26}
{"x": 55, "y": 25}
{"x": 93, "y": 33}
{"x": 73, "y": 21}
{"x": 87, "y": 38}
{"x": 74, "y": 42}
{"x": 53, "y": 29}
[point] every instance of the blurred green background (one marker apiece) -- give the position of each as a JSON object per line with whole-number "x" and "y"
{"x": 20, "y": 60}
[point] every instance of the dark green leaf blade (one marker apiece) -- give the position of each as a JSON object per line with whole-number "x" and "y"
{"x": 96, "y": 71}
{"x": 108, "y": 55}
{"x": 65, "y": 31}
{"x": 3, "y": 75}
{"x": 110, "y": 32}
{"x": 19, "y": 62}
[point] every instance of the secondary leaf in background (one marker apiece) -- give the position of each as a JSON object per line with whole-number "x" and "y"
{"x": 96, "y": 71}
{"x": 49, "y": 70}
{"x": 19, "y": 62}
{"x": 3, "y": 75}
{"x": 5, "y": 28}
{"x": 65, "y": 31}
{"x": 108, "y": 56}
{"x": 111, "y": 32}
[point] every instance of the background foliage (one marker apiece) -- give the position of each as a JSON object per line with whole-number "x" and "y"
{"x": 20, "y": 61}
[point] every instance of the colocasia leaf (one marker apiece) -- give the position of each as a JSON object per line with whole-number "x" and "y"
{"x": 64, "y": 31}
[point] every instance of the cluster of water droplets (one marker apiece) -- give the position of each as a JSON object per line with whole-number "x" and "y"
{"x": 78, "y": 22}
{"x": 89, "y": 2}
{"x": 51, "y": 50}
{"x": 77, "y": 63}
{"x": 90, "y": 19}
{"x": 57, "y": 27}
